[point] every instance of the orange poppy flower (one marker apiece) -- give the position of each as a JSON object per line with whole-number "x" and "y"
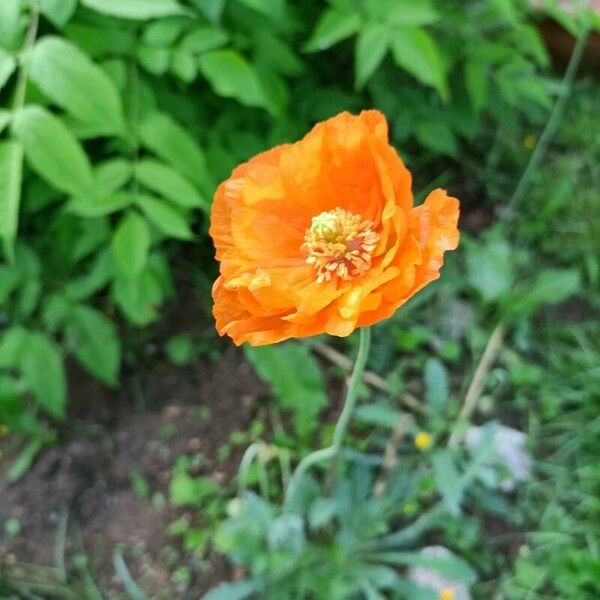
{"x": 321, "y": 236}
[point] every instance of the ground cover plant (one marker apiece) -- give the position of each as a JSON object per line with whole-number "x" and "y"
{"x": 143, "y": 457}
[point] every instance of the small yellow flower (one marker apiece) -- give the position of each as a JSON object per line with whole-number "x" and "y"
{"x": 529, "y": 142}
{"x": 422, "y": 441}
{"x": 447, "y": 594}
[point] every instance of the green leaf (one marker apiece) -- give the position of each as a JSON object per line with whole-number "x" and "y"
{"x": 52, "y": 150}
{"x": 183, "y": 64}
{"x": 170, "y": 184}
{"x": 43, "y": 373}
{"x": 371, "y": 47}
{"x": 190, "y": 491}
{"x": 24, "y": 460}
{"x": 448, "y": 480}
{"x": 490, "y": 269}
{"x": 203, "y": 39}
{"x": 96, "y": 341}
{"x": 58, "y": 12}
{"x": 171, "y": 142}
{"x": 10, "y": 23}
{"x": 296, "y": 379}
{"x": 93, "y": 207}
{"x": 437, "y": 136}
{"x": 139, "y": 10}
{"x": 333, "y": 27}
{"x": 130, "y": 245}
{"x": 232, "y": 76}
{"x": 552, "y": 286}
{"x": 436, "y": 384}
{"x": 5, "y": 118}
{"x": 180, "y": 349}
{"x": 12, "y": 345}
{"x": 476, "y": 82}
{"x": 11, "y": 167}
{"x": 165, "y": 217}
{"x": 69, "y": 78}
{"x": 417, "y": 53}
{"x": 7, "y": 66}
{"x": 139, "y": 298}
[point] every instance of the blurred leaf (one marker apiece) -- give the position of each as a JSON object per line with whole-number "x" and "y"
{"x": 97, "y": 344}
{"x": 165, "y": 217}
{"x": 402, "y": 13}
{"x": 333, "y": 26}
{"x": 296, "y": 379}
{"x": 170, "y": 184}
{"x": 378, "y": 414}
{"x": 10, "y": 12}
{"x": 154, "y": 60}
{"x": 5, "y": 118}
{"x": 69, "y": 78}
{"x": 183, "y": 64}
{"x": 7, "y": 66}
{"x": 476, "y": 82}
{"x": 52, "y": 150}
{"x": 371, "y": 47}
{"x": 93, "y": 207}
{"x": 203, "y": 39}
{"x": 11, "y": 166}
{"x": 130, "y": 244}
{"x": 58, "y": 12}
{"x": 190, "y": 491}
{"x": 417, "y": 53}
{"x": 437, "y": 136}
{"x": 552, "y": 286}
{"x": 139, "y": 298}
{"x": 171, "y": 142}
{"x": 24, "y": 460}
{"x": 139, "y": 10}
{"x": 490, "y": 270}
{"x": 436, "y": 385}
{"x": 230, "y": 75}
{"x": 180, "y": 349}
{"x": 448, "y": 480}
{"x": 43, "y": 372}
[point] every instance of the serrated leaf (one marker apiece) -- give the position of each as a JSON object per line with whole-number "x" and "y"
{"x": 97, "y": 345}
{"x": 371, "y": 47}
{"x": 11, "y": 167}
{"x": 165, "y": 217}
{"x": 232, "y": 76}
{"x": 138, "y": 10}
{"x": 69, "y": 78}
{"x": 333, "y": 27}
{"x": 296, "y": 379}
{"x": 170, "y": 184}
{"x": 52, "y": 150}
{"x": 416, "y": 52}
{"x": 130, "y": 245}
{"x": 43, "y": 372}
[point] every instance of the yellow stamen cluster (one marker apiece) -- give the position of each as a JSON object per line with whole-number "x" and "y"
{"x": 422, "y": 441}
{"x": 340, "y": 243}
{"x": 447, "y": 594}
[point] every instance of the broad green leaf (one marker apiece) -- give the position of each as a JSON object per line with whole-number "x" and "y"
{"x": 52, "y": 150}
{"x": 190, "y": 491}
{"x": 170, "y": 184}
{"x": 130, "y": 244}
{"x": 58, "y": 12}
{"x": 490, "y": 269}
{"x": 232, "y": 76}
{"x": 551, "y": 286}
{"x": 154, "y": 60}
{"x": 476, "y": 82}
{"x": 96, "y": 342}
{"x": 10, "y": 23}
{"x": 437, "y": 136}
{"x": 333, "y": 27}
{"x": 11, "y": 167}
{"x": 417, "y": 53}
{"x": 296, "y": 379}
{"x": 450, "y": 567}
{"x": 99, "y": 275}
{"x": 43, "y": 372}
{"x": 171, "y": 142}
{"x": 436, "y": 384}
{"x": 165, "y": 217}
{"x": 402, "y": 13}
{"x": 139, "y": 298}
{"x": 371, "y": 47}
{"x": 139, "y": 10}
{"x": 69, "y": 78}
{"x": 111, "y": 175}
{"x": 183, "y": 64}
{"x": 164, "y": 33}
{"x": 12, "y": 345}
{"x": 5, "y": 118}
{"x": 449, "y": 483}
{"x": 204, "y": 39}
{"x": 93, "y": 207}
{"x": 7, "y": 66}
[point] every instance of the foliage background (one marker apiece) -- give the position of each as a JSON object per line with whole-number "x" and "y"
{"x": 119, "y": 117}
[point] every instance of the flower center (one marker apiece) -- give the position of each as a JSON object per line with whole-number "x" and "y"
{"x": 339, "y": 243}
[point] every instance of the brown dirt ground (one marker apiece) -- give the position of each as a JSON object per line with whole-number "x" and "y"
{"x": 88, "y": 473}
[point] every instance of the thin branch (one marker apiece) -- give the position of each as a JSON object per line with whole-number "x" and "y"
{"x": 492, "y": 349}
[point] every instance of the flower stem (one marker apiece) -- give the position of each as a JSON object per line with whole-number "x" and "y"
{"x": 332, "y": 452}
